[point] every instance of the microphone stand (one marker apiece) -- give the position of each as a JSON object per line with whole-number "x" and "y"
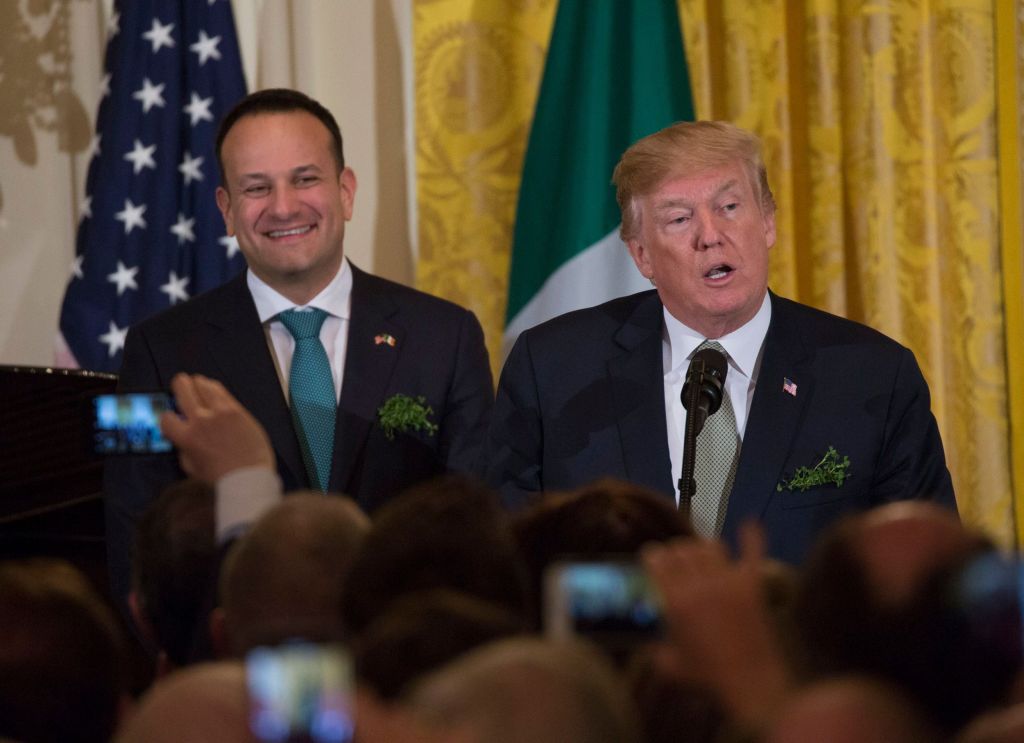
{"x": 696, "y": 415}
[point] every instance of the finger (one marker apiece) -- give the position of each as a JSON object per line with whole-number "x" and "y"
{"x": 213, "y": 394}
{"x": 186, "y": 464}
{"x": 753, "y": 544}
{"x": 185, "y": 396}
{"x": 173, "y": 427}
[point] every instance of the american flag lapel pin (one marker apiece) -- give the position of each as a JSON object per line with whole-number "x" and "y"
{"x": 789, "y": 386}
{"x": 385, "y": 338}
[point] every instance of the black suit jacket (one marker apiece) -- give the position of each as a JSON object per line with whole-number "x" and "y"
{"x": 439, "y": 353}
{"x": 582, "y": 397}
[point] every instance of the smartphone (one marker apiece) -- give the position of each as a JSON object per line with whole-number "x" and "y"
{"x": 609, "y": 601}
{"x": 127, "y": 423}
{"x": 300, "y": 691}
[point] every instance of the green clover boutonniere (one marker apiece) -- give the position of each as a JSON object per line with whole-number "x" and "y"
{"x": 401, "y": 414}
{"x": 831, "y": 469}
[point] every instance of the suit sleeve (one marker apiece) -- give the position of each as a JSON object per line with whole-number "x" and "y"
{"x": 469, "y": 401}
{"x": 130, "y": 483}
{"x": 515, "y": 439}
{"x": 913, "y": 463}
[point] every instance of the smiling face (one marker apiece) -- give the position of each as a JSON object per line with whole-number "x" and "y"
{"x": 285, "y": 200}
{"x": 703, "y": 240}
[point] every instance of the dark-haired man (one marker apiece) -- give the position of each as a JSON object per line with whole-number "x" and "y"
{"x": 310, "y": 344}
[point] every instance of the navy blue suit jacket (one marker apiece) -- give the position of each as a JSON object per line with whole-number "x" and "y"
{"x": 582, "y": 397}
{"x": 439, "y": 353}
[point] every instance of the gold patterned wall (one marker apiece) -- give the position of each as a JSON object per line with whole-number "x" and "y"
{"x": 881, "y": 133}
{"x": 478, "y": 72}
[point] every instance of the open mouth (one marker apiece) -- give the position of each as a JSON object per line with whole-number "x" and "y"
{"x": 719, "y": 272}
{"x": 290, "y": 232}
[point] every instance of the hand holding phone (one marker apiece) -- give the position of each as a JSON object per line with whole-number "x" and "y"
{"x": 610, "y": 601}
{"x": 300, "y": 692}
{"x": 128, "y": 423}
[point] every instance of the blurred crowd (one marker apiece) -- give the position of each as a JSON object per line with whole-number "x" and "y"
{"x": 434, "y": 621}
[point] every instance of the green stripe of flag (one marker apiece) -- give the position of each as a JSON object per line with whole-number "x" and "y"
{"x": 615, "y": 72}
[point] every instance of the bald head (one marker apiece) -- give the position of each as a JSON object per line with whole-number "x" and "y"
{"x": 528, "y": 690}
{"x": 203, "y": 703}
{"x": 851, "y": 710}
{"x": 901, "y": 544}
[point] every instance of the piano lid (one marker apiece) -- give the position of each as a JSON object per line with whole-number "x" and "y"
{"x": 44, "y": 463}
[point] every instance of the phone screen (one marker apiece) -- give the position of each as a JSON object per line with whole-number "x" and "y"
{"x": 129, "y": 423}
{"x": 300, "y": 692}
{"x": 607, "y": 601}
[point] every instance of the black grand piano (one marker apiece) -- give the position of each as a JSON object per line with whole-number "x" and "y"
{"x": 50, "y": 487}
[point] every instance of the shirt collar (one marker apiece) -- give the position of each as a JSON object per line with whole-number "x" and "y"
{"x": 335, "y": 298}
{"x": 743, "y": 344}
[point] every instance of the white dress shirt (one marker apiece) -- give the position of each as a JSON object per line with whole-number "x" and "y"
{"x": 743, "y": 348}
{"x": 242, "y": 496}
{"x": 335, "y": 300}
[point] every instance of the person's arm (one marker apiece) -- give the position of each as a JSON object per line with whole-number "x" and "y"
{"x": 913, "y": 463}
{"x": 221, "y": 443}
{"x": 720, "y": 635}
{"x": 463, "y": 423}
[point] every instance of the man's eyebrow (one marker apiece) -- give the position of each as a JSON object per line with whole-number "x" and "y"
{"x": 259, "y": 175}
{"x": 727, "y": 186}
{"x": 672, "y": 203}
{"x": 667, "y": 204}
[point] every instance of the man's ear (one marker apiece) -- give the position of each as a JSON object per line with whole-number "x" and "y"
{"x": 347, "y": 185}
{"x": 640, "y": 258}
{"x": 769, "y": 228}
{"x": 224, "y": 204}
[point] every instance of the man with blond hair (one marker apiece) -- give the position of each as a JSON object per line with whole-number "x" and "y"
{"x": 820, "y": 416}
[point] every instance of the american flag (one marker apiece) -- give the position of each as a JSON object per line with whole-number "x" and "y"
{"x": 149, "y": 232}
{"x": 789, "y": 386}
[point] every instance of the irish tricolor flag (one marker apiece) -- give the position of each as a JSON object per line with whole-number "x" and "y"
{"x": 615, "y": 72}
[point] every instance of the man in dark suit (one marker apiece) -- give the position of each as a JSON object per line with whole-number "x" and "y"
{"x": 830, "y": 416}
{"x": 286, "y": 195}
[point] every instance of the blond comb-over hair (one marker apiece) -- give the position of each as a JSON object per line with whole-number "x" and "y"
{"x": 686, "y": 147}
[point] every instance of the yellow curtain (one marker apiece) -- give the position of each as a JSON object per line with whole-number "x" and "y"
{"x": 893, "y": 145}
{"x": 478, "y": 70}
{"x": 1010, "y": 84}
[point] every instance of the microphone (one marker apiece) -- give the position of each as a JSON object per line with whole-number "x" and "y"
{"x": 704, "y": 386}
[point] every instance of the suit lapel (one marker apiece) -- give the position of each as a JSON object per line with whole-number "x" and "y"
{"x": 637, "y": 385}
{"x": 369, "y": 366}
{"x": 238, "y": 345}
{"x": 775, "y": 418}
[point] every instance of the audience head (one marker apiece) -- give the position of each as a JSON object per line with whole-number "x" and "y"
{"x": 671, "y": 709}
{"x": 450, "y": 532}
{"x": 284, "y": 578}
{"x": 607, "y": 517}
{"x": 851, "y": 710}
{"x": 527, "y": 690}
{"x": 423, "y": 631}
{"x": 206, "y": 703}
{"x": 1004, "y": 725}
{"x": 61, "y": 656}
{"x": 878, "y": 597}
{"x": 174, "y": 567}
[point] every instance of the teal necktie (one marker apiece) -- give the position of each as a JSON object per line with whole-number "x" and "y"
{"x": 311, "y": 387}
